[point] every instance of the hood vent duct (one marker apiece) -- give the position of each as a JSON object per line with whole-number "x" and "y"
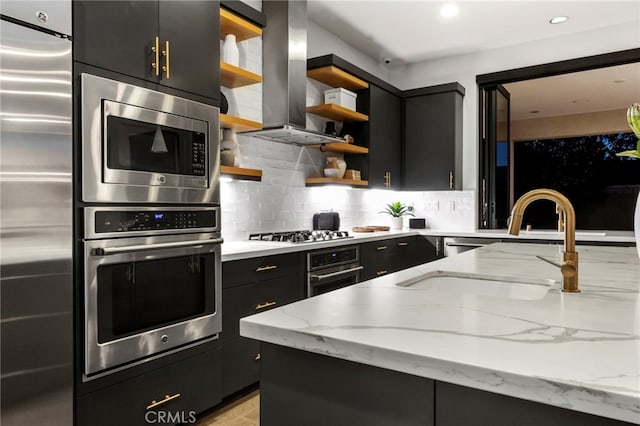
{"x": 284, "y": 80}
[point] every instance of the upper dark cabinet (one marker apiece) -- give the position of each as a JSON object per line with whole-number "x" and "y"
{"x": 121, "y": 36}
{"x": 383, "y": 136}
{"x": 433, "y": 138}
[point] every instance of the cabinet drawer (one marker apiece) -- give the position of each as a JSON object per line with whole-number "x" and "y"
{"x": 249, "y": 299}
{"x": 241, "y": 360}
{"x": 375, "y": 258}
{"x": 239, "y": 272}
{"x": 196, "y": 381}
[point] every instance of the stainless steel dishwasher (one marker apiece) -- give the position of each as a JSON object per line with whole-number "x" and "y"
{"x": 455, "y": 245}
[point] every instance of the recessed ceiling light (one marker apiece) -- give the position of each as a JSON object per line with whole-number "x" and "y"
{"x": 535, "y": 111}
{"x": 449, "y": 10}
{"x": 580, "y": 101}
{"x": 559, "y": 19}
{"x": 619, "y": 81}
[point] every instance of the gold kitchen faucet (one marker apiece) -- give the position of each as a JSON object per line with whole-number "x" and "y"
{"x": 569, "y": 267}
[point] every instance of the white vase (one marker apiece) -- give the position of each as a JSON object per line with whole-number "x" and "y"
{"x": 636, "y": 224}
{"x": 340, "y": 163}
{"x": 230, "y": 51}
{"x": 396, "y": 223}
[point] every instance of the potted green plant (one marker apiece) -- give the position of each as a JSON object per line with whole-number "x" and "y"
{"x": 633, "y": 118}
{"x": 397, "y": 210}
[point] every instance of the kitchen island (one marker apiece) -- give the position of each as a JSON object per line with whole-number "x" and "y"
{"x": 381, "y": 353}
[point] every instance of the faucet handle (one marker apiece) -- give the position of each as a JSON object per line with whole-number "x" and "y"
{"x": 569, "y": 269}
{"x": 551, "y": 262}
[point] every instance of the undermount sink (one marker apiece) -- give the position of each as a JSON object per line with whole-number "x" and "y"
{"x": 553, "y": 232}
{"x": 520, "y": 288}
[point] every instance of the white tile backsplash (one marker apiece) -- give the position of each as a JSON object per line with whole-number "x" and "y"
{"x": 282, "y": 202}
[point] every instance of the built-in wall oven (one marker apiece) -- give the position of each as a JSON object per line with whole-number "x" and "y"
{"x": 329, "y": 270}
{"x": 152, "y": 281}
{"x": 143, "y": 146}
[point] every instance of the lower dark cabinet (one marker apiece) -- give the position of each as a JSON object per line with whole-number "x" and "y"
{"x": 241, "y": 361}
{"x": 177, "y": 392}
{"x": 386, "y": 256}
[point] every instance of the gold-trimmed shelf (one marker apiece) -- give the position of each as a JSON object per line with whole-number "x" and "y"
{"x": 233, "y": 24}
{"x": 337, "y": 112}
{"x": 341, "y": 147}
{"x": 241, "y": 173}
{"x": 335, "y": 181}
{"x": 334, "y": 76}
{"x": 239, "y": 124}
{"x": 232, "y": 76}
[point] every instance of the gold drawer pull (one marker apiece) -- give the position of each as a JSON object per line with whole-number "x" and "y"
{"x": 381, "y": 273}
{"x": 264, "y": 305}
{"x": 167, "y": 56}
{"x": 167, "y": 398}
{"x": 156, "y": 50}
{"x": 257, "y": 358}
{"x": 381, "y": 248}
{"x": 402, "y": 244}
{"x": 266, "y": 268}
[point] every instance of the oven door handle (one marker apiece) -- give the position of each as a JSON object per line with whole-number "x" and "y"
{"x": 106, "y": 251}
{"x": 336, "y": 274}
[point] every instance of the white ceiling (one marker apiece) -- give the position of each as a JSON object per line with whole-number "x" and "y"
{"x": 413, "y": 31}
{"x": 601, "y": 89}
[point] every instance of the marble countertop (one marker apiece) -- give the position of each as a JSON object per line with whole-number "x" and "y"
{"x": 236, "y": 250}
{"x": 576, "y": 351}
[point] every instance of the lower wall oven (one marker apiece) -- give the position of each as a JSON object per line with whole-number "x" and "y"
{"x": 329, "y": 270}
{"x": 155, "y": 289}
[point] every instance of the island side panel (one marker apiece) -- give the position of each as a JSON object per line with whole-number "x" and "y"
{"x": 460, "y": 405}
{"x": 303, "y": 388}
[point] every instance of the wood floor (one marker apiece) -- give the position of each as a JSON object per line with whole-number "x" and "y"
{"x": 243, "y": 412}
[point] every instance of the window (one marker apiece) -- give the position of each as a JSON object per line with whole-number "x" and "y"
{"x": 601, "y": 186}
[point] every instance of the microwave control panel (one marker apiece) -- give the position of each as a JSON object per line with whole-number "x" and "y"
{"x": 131, "y": 221}
{"x": 198, "y": 159}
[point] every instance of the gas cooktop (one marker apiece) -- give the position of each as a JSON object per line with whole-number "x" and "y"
{"x": 300, "y": 236}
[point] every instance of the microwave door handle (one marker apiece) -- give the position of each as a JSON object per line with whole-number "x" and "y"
{"x": 106, "y": 251}
{"x": 336, "y": 274}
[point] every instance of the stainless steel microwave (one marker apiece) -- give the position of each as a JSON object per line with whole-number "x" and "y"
{"x": 140, "y": 146}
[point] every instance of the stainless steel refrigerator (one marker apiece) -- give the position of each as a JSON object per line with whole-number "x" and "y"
{"x": 36, "y": 287}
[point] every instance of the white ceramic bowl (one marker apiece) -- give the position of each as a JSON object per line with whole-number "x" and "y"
{"x": 332, "y": 173}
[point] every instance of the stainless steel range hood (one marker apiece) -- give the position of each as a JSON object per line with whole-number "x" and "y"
{"x": 284, "y": 81}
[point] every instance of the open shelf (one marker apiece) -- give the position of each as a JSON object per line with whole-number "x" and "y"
{"x": 240, "y": 173}
{"x": 336, "y": 112}
{"x": 232, "y": 76}
{"x": 334, "y": 76}
{"x": 239, "y": 124}
{"x": 241, "y": 28}
{"x": 335, "y": 181}
{"x": 341, "y": 147}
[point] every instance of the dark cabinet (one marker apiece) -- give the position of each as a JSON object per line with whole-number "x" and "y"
{"x": 386, "y": 256}
{"x": 251, "y": 286}
{"x": 172, "y": 43}
{"x": 183, "y": 389}
{"x": 433, "y": 138}
{"x": 383, "y": 136}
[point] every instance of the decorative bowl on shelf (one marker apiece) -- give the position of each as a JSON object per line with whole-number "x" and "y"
{"x": 332, "y": 173}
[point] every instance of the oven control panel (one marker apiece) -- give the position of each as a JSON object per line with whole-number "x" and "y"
{"x": 130, "y": 221}
{"x": 327, "y": 258}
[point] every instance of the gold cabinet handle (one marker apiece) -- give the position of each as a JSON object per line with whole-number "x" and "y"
{"x": 266, "y": 268}
{"x": 156, "y": 49}
{"x": 166, "y": 399}
{"x": 381, "y": 272}
{"x": 387, "y": 180}
{"x": 257, "y": 358}
{"x": 402, "y": 244}
{"x": 381, "y": 248}
{"x": 450, "y": 180}
{"x": 264, "y": 305}
{"x": 167, "y": 58}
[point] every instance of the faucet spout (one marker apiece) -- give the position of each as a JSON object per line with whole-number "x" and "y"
{"x": 569, "y": 267}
